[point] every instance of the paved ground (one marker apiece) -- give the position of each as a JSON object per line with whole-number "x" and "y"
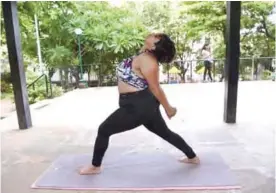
{"x": 7, "y": 107}
{"x": 69, "y": 125}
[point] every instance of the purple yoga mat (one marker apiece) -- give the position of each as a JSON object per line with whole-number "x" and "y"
{"x": 139, "y": 171}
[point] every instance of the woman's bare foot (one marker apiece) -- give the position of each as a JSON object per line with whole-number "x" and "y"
{"x": 190, "y": 161}
{"x": 90, "y": 170}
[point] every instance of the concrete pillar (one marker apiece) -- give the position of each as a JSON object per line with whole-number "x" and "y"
{"x": 16, "y": 64}
{"x": 232, "y": 60}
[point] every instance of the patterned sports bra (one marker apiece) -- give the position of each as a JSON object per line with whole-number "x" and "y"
{"x": 126, "y": 74}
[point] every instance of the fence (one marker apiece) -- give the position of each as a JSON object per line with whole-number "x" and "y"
{"x": 251, "y": 68}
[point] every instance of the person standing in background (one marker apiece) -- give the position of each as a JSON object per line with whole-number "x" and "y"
{"x": 206, "y": 55}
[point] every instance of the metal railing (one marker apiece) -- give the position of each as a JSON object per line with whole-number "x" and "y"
{"x": 47, "y": 85}
{"x": 250, "y": 68}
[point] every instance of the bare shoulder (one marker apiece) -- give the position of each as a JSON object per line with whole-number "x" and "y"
{"x": 146, "y": 60}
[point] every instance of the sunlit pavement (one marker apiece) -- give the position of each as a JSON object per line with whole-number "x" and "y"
{"x": 68, "y": 124}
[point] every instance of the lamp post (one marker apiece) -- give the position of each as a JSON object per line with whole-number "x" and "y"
{"x": 78, "y": 32}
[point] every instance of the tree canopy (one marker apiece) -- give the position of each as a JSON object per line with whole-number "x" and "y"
{"x": 111, "y": 33}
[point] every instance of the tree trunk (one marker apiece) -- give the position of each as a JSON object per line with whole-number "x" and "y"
{"x": 100, "y": 79}
{"x": 183, "y": 69}
{"x": 71, "y": 77}
{"x": 77, "y": 77}
{"x": 268, "y": 48}
{"x": 168, "y": 74}
{"x": 183, "y": 73}
{"x": 88, "y": 74}
{"x": 100, "y": 69}
{"x": 224, "y": 33}
{"x": 75, "y": 74}
{"x": 61, "y": 78}
{"x": 50, "y": 74}
{"x": 66, "y": 85}
{"x": 99, "y": 75}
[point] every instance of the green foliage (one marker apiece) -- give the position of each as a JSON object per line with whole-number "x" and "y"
{"x": 37, "y": 95}
{"x": 156, "y": 15}
{"x": 57, "y": 90}
{"x": 40, "y": 93}
{"x": 113, "y": 33}
{"x": 266, "y": 75}
{"x": 6, "y": 95}
{"x": 6, "y": 87}
{"x": 205, "y": 17}
{"x": 59, "y": 56}
{"x": 109, "y": 35}
{"x": 6, "y": 76}
{"x": 37, "y": 92}
{"x": 199, "y": 67}
{"x": 208, "y": 19}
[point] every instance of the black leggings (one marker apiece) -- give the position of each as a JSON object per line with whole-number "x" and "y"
{"x": 138, "y": 108}
{"x": 208, "y": 68}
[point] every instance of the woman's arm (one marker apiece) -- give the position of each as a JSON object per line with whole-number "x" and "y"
{"x": 150, "y": 70}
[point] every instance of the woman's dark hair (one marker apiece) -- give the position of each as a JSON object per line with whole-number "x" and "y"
{"x": 205, "y": 47}
{"x": 164, "y": 49}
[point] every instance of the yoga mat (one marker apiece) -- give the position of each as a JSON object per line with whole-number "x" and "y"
{"x": 139, "y": 171}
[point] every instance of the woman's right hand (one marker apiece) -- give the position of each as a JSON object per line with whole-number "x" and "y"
{"x": 171, "y": 111}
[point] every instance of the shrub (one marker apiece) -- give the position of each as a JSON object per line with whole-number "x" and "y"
{"x": 37, "y": 95}
{"x": 266, "y": 75}
{"x": 57, "y": 90}
{"x": 40, "y": 93}
{"x": 6, "y": 87}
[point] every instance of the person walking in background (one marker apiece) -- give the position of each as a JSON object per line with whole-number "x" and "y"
{"x": 206, "y": 55}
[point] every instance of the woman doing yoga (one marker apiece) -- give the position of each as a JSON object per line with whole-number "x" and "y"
{"x": 140, "y": 96}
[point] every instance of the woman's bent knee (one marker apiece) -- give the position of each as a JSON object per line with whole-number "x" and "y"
{"x": 103, "y": 130}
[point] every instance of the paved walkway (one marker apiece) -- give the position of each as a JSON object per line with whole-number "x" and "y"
{"x": 69, "y": 125}
{"x": 7, "y": 106}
